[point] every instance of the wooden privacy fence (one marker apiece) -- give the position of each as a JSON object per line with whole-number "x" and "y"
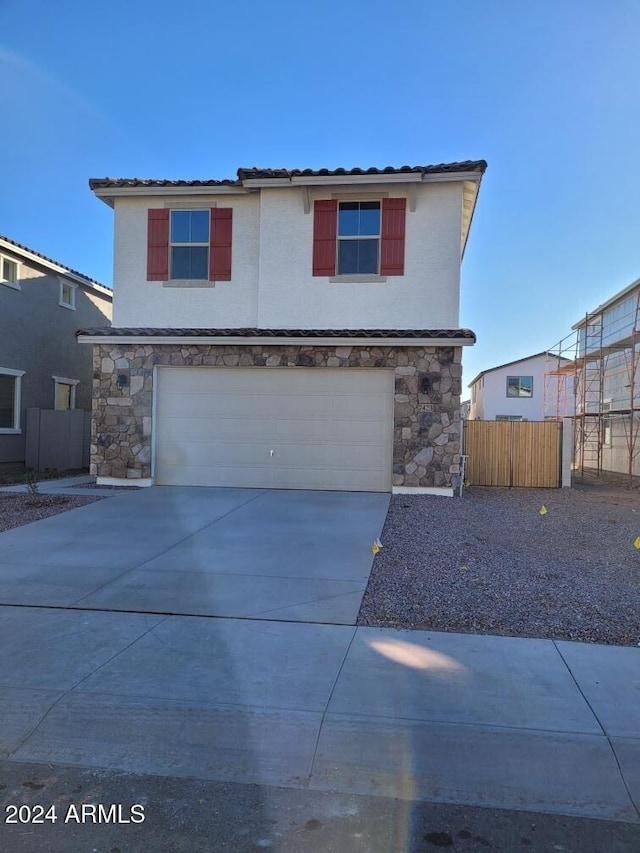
{"x": 513, "y": 453}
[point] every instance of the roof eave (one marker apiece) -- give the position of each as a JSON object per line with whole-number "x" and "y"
{"x": 109, "y": 194}
{"x": 58, "y": 269}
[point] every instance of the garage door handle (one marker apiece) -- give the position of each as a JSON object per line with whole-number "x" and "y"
{"x": 271, "y": 452}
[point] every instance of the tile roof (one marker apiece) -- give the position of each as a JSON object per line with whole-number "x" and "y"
{"x": 441, "y": 168}
{"x": 108, "y": 331}
{"x": 20, "y": 247}
{"x": 255, "y": 173}
{"x": 105, "y": 183}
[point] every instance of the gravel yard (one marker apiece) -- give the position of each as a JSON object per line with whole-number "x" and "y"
{"x": 489, "y": 562}
{"x": 19, "y": 509}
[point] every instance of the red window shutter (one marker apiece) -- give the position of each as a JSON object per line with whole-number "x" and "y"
{"x": 220, "y": 244}
{"x": 325, "y": 214}
{"x": 158, "y": 245}
{"x": 393, "y": 227}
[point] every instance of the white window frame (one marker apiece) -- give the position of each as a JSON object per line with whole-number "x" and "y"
{"x": 18, "y": 374}
{"x": 178, "y": 245}
{"x": 73, "y": 287}
{"x": 519, "y": 396}
{"x": 339, "y": 239}
{"x": 15, "y": 285}
{"x": 63, "y": 380}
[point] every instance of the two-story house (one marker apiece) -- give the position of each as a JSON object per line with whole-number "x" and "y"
{"x": 287, "y": 329}
{"x": 526, "y": 389}
{"x": 43, "y": 303}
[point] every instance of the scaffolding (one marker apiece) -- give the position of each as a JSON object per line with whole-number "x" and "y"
{"x": 592, "y": 376}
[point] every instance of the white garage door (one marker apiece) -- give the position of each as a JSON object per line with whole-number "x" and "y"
{"x": 282, "y": 428}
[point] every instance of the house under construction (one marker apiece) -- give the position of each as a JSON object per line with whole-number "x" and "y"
{"x": 599, "y": 385}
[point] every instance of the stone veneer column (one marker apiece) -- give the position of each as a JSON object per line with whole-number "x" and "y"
{"x": 426, "y": 440}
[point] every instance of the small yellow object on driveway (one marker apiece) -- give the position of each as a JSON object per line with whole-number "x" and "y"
{"x": 377, "y": 544}
{"x": 543, "y": 510}
{"x": 636, "y": 544}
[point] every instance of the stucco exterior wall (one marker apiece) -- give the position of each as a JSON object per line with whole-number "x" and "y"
{"x": 426, "y": 296}
{"x": 142, "y": 303}
{"x": 272, "y": 284}
{"x": 39, "y": 337}
{"x": 426, "y": 443}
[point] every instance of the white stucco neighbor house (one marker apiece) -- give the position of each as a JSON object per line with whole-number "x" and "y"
{"x": 286, "y": 328}
{"x": 520, "y": 390}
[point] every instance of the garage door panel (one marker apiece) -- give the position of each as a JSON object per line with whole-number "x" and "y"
{"x": 356, "y": 407}
{"x": 253, "y": 477}
{"x": 194, "y": 430}
{"x": 215, "y": 405}
{"x": 328, "y": 428}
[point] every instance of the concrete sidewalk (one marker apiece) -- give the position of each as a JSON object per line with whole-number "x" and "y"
{"x": 492, "y": 721}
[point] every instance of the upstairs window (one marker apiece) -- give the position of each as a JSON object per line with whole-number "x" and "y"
{"x": 519, "y": 386}
{"x": 190, "y": 245}
{"x": 359, "y": 237}
{"x": 67, "y": 295}
{"x": 9, "y": 272}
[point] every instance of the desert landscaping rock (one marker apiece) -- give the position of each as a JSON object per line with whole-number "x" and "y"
{"x": 19, "y": 509}
{"x": 488, "y": 562}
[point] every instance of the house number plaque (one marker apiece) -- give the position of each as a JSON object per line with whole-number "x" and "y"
{"x": 424, "y": 407}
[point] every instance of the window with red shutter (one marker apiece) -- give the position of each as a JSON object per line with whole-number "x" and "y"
{"x": 189, "y": 245}
{"x": 324, "y": 237}
{"x": 359, "y": 238}
{"x": 157, "y": 245}
{"x": 220, "y": 244}
{"x": 393, "y": 231}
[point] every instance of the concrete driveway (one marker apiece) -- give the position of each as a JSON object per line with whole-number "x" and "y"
{"x": 286, "y": 555}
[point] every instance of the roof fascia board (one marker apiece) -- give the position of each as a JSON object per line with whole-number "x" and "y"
{"x": 444, "y": 177}
{"x": 106, "y": 194}
{"x": 270, "y": 342}
{"x": 56, "y": 268}
{"x": 333, "y": 180}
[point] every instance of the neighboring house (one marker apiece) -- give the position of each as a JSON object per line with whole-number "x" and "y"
{"x": 286, "y": 329}
{"x": 465, "y": 408}
{"x": 606, "y": 363}
{"x": 42, "y": 305}
{"x": 521, "y": 390}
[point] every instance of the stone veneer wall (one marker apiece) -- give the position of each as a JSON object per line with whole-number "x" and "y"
{"x": 427, "y": 425}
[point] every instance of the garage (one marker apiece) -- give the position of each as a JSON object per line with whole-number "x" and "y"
{"x": 286, "y": 428}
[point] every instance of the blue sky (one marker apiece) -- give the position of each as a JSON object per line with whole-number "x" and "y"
{"x": 548, "y": 93}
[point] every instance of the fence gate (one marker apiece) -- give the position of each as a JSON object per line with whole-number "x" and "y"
{"x": 513, "y": 453}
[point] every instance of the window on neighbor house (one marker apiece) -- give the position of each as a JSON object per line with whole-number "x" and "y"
{"x": 9, "y": 272}
{"x": 189, "y": 242}
{"x": 64, "y": 393}
{"x": 10, "y": 382}
{"x": 67, "y": 295}
{"x": 509, "y": 418}
{"x": 519, "y": 386}
{"x": 358, "y": 237}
